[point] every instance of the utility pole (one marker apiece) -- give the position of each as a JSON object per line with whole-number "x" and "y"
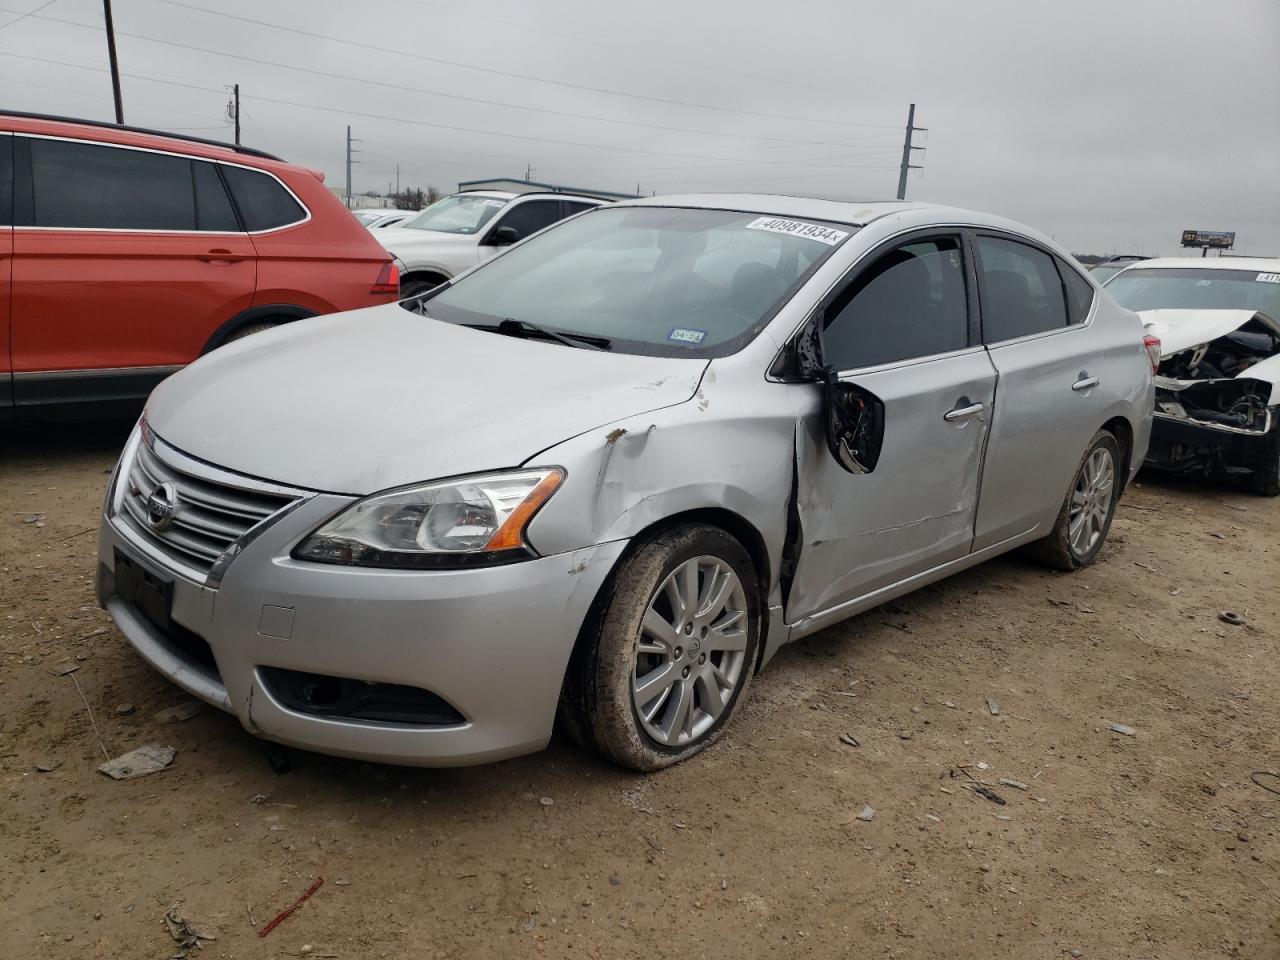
{"x": 237, "y": 112}
{"x": 397, "y": 179}
{"x": 528, "y": 171}
{"x": 111, "y": 55}
{"x": 349, "y": 163}
{"x": 906, "y": 153}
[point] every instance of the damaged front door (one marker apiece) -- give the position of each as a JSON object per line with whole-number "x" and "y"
{"x": 899, "y": 334}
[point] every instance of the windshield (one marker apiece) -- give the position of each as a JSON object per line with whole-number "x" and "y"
{"x": 461, "y": 213}
{"x": 1192, "y": 288}
{"x": 660, "y": 281}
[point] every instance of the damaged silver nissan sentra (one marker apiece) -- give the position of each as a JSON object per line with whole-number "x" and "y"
{"x": 1218, "y": 386}
{"x": 607, "y": 474}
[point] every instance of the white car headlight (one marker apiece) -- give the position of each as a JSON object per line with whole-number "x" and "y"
{"x": 468, "y": 521}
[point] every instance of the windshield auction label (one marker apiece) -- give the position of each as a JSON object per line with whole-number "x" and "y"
{"x": 798, "y": 228}
{"x": 1268, "y": 277}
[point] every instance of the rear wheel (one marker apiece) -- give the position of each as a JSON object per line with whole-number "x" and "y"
{"x": 248, "y": 330}
{"x": 1085, "y": 518}
{"x": 669, "y": 653}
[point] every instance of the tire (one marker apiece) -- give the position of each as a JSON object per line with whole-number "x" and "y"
{"x": 1060, "y": 550}
{"x": 705, "y": 661}
{"x": 411, "y": 288}
{"x": 1265, "y": 480}
{"x": 247, "y": 330}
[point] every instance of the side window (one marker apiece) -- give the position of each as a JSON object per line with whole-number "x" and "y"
{"x": 531, "y": 216}
{"x": 90, "y": 186}
{"x": 575, "y": 206}
{"x": 6, "y": 180}
{"x": 213, "y": 206}
{"x": 1021, "y": 292}
{"x": 909, "y": 303}
{"x": 1079, "y": 293}
{"x": 264, "y": 204}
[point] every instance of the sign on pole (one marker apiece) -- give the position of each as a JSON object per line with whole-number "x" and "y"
{"x": 1215, "y": 239}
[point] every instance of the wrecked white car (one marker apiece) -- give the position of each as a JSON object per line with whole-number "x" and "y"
{"x": 1217, "y": 406}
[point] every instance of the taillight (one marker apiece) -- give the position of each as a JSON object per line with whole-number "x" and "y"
{"x": 388, "y": 281}
{"x": 1153, "y": 351}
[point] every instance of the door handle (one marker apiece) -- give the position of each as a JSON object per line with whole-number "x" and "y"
{"x": 216, "y": 256}
{"x": 1085, "y": 384}
{"x": 963, "y": 413}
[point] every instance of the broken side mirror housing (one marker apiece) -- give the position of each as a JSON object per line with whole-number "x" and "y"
{"x": 854, "y": 422}
{"x": 853, "y": 418}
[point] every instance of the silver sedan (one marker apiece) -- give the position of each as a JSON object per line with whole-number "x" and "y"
{"x": 607, "y": 475}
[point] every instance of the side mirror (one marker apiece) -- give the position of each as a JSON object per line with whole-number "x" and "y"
{"x": 504, "y": 237}
{"x": 853, "y": 418}
{"x": 854, "y": 421}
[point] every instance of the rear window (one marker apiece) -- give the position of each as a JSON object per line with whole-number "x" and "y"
{"x": 264, "y": 204}
{"x": 1022, "y": 292}
{"x": 213, "y": 206}
{"x": 95, "y": 187}
{"x": 1079, "y": 293}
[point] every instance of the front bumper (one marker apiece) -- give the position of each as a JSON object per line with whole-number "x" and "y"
{"x": 494, "y": 643}
{"x": 1187, "y": 446}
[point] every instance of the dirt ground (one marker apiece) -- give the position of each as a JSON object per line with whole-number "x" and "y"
{"x": 1151, "y": 845}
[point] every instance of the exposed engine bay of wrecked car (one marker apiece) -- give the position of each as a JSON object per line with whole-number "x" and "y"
{"x": 1229, "y": 382}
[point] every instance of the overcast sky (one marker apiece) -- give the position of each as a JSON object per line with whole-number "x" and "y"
{"x": 1109, "y": 125}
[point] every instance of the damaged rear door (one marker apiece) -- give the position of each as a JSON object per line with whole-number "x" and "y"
{"x": 902, "y": 333}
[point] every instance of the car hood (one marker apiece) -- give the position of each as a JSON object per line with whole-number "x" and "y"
{"x": 359, "y": 402}
{"x": 394, "y": 238}
{"x": 1180, "y": 330}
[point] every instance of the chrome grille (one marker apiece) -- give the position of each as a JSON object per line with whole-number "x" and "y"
{"x": 210, "y": 511}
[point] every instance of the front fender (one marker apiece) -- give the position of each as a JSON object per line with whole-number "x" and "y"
{"x": 714, "y": 451}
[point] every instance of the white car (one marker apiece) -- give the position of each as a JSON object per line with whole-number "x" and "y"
{"x": 378, "y": 218}
{"x": 1218, "y": 389}
{"x": 456, "y": 233}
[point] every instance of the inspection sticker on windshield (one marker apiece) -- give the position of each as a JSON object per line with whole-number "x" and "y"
{"x": 1268, "y": 277}
{"x": 798, "y": 228}
{"x": 493, "y": 203}
{"x": 685, "y": 335}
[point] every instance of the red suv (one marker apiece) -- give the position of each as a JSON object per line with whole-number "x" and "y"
{"x": 127, "y": 253}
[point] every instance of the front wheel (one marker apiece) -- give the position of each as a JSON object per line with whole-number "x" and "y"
{"x": 669, "y": 653}
{"x": 1085, "y": 518}
{"x": 1266, "y": 477}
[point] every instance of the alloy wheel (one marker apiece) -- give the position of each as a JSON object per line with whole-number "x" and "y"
{"x": 691, "y": 654}
{"x": 1091, "y": 501}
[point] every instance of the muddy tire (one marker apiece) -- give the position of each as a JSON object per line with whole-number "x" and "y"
{"x": 1085, "y": 518}
{"x": 1265, "y": 480}
{"x": 668, "y": 652}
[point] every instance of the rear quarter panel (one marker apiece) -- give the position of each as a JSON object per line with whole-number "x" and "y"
{"x": 327, "y": 264}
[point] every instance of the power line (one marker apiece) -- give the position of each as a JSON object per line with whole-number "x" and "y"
{"x": 517, "y": 76}
{"x": 19, "y": 19}
{"x": 457, "y": 129}
{"x": 423, "y": 90}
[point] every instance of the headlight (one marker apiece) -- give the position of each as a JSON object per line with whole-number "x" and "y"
{"x": 470, "y": 521}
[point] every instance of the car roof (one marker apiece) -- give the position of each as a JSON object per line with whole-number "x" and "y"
{"x": 540, "y": 195}
{"x": 857, "y": 213}
{"x": 34, "y": 122}
{"x": 1261, "y": 264}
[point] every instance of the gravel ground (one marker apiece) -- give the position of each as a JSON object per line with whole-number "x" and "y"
{"x": 1155, "y": 844}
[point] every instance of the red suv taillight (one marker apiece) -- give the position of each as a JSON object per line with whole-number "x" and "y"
{"x": 388, "y": 281}
{"x": 1153, "y": 351}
